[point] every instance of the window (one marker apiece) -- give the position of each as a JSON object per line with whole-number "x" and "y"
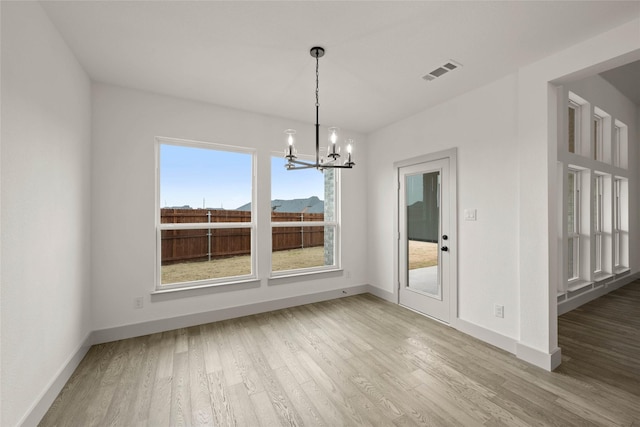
{"x": 205, "y": 224}
{"x": 574, "y": 127}
{"x": 598, "y": 222}
{"x": 573, "y": 224}
{"x": 620, "y": 134}
{"x": 620, "y": 225}
{"x": 598, "y": 152}
{"x": 304, "y": 219}
{"x": 616, "y": 146}
{"x": 593, "y": 197}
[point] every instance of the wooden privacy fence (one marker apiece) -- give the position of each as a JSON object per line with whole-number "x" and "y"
{"x": 206, "y": 243}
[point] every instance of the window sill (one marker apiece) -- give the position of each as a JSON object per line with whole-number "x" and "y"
{"x": 621, "y": 270}
{"x": 295, "y": 277}
{"x": 202, "y": 289}
{"x": 577, "y": 285}
{"x": 601, "y": 277}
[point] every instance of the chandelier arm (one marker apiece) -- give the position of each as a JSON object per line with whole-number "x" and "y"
{"x": 308, "y": 165}
{"x": 319, "y": 166}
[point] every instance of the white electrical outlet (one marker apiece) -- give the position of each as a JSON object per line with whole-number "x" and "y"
{"x": 138, "y": 302}
{"x": 498, "y": 310}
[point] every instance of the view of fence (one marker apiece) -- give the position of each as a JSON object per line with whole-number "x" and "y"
{"x": 205, "y": 243}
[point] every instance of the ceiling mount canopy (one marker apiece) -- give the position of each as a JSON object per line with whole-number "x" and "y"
{"x": 333, "y": 150}
{"x": 317, "y": 52}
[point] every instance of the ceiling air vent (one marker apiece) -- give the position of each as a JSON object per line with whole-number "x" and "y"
{"x": 441, "y": 70}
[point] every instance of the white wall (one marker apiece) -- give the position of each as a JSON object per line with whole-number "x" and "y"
{"x": 125, "y": 124}
{"x": 46, "y": 113}
{"x": 481, "y": 124}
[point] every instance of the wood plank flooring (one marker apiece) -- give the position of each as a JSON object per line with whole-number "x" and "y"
{"x": 359, "y": 361}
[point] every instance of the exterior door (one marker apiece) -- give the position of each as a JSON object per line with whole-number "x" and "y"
{"x": 424, "y": 238}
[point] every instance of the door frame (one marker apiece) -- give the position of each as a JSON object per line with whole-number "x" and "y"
{"x": 452, "y": 155}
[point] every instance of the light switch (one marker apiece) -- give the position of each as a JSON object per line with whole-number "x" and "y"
{"x": 469, "y": 214}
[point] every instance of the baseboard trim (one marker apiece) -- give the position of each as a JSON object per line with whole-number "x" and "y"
{"x": 35, "y": 414}
{"x": 491, "y": 337}
{"x": 154, "y": 326}
{"x": 381, "y": 293}
{"x": 575, "y": 302}
{"x": 541, "y": 359}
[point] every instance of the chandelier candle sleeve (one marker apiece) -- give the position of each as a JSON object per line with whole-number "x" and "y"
{"x": 350, "y": 144}
{"x": 333, "y": 150}
{"x": 290, "y": 153}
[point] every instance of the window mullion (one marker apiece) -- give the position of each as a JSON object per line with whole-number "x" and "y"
{"x": 205, "y": 225}
{"x": 305, "y": 224}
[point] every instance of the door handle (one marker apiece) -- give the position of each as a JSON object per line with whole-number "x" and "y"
{"x": 445, "y": 249}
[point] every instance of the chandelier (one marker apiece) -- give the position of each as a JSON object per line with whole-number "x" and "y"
{"x": 333, "y": 149}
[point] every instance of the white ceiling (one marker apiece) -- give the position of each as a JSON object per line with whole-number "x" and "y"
{"x": 254, "y": 56}
{"x": 626, "y": 79}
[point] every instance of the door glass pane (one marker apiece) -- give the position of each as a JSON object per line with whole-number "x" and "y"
{"x": 423, "y": 231}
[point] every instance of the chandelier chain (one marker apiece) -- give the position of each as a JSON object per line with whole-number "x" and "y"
{"x": 317, "y": 81}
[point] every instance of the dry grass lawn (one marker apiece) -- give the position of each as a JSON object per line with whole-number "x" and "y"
{"x": 297, "y": 258}
{"x": 241, "y": 265}
{"x": 421, "y": 254}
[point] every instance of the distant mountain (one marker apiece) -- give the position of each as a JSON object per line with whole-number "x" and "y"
{"x": 309, "y": 205}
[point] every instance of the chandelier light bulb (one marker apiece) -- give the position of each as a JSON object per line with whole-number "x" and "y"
{"x": 333, "y": 135}
{"x": 290, "y": 151}
{"x": 349, "y": 162}
{"x": 333, "y": 150}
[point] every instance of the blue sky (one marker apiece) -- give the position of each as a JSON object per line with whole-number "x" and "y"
{"x": 218, "y": 179}
{"x": 298, "y": 184}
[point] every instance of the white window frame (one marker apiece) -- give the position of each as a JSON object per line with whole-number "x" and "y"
{"x": 620, "y": 145}
{"x": 252, "y": 225}
{"x": 574, "y": 234}
{"x": 577, "y": 108}
{"x": 598, "y": 140}
{"x": 335, "y": 224}
{"x": 620, "y": 224}
{"x": 617, "y": 135}
{"x": 594, "y": 249}
{"x": 598, "y": 222}
{"x": 617, "y": 223}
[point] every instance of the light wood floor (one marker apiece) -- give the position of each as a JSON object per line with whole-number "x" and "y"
{"x": 359, "y": 361}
